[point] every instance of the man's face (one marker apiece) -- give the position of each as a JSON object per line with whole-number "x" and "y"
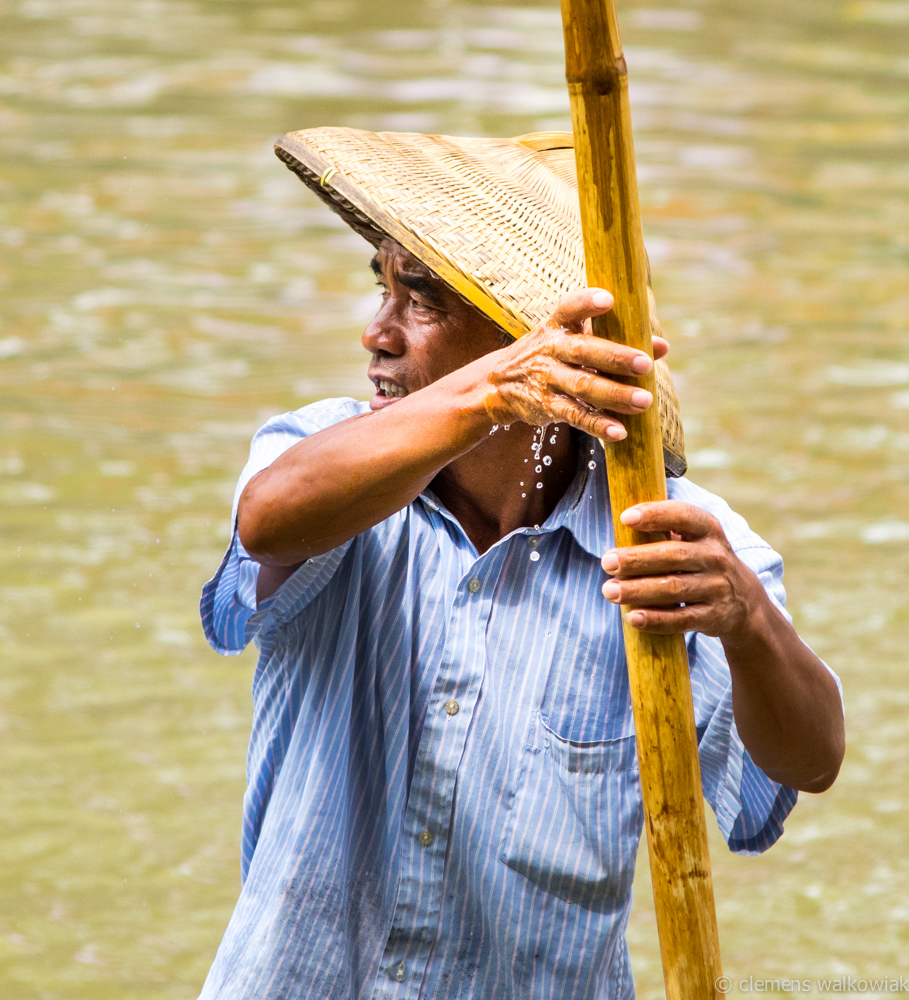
{"x": 423, "y": 330}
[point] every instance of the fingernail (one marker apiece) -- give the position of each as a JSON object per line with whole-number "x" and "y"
{"x": 641, "y": 398}
{"x": 612, "y": 591}
{"x": 611, "y": 561}
{"x": 641, "y": 364}
{"x": 616, "y": 433}
{"x": 602, "y": 300}
{"x": 631, "y": 516}
{"x": 636, "y": 618}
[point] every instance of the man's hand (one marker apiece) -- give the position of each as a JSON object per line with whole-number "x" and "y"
{"x": 786, "y": 704}
{"x": 696, "y": 567}
{"x": 560, "y": 372}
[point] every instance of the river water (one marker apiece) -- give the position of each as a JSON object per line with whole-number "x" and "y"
{"x": 166, "y": 285}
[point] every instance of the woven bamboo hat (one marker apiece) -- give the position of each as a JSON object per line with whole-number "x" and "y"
{"x": 497, "y": 219}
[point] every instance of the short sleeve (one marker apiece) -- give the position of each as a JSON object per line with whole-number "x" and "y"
{"x": 230, "y": 615}
{"x": 750, "y": 807}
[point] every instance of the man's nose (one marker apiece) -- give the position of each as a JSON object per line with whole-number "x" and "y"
{"x": 384, "y": 334}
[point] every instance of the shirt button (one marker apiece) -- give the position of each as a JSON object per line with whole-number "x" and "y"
{"x": 425, "y": 838}
{"x": 452, "y": 707}
{"x": 474, "y": 585}
{"x": 399, "y": 972}
{"x": 533, "y": 541}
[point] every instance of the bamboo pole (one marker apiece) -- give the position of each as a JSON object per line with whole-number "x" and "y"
{"x": 657, "y": 665}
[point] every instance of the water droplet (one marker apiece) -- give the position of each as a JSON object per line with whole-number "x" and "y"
{"x": 507, "y": 427}
{"x": 539, "y": 486}
{"x": 495, "y": 427}
{"x": 534, "y": 556}
{"x": 547, "y": 460}
{"x": 536, "y": 527}
{"x": 591, "y": 465}
{"x": 526, "y": 459}
{"x": 523, "y": 495}
{"x": 522, "y": 484}
{"x": 552, "y": 439}
{"x": 539, "y": 468}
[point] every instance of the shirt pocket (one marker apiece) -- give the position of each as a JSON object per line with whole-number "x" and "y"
{"x": 575, "y": 817}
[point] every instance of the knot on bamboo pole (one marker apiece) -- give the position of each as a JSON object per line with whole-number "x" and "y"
{"x": 603, "y": 80}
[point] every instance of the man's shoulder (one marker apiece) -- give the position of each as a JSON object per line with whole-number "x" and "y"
{"x": 284, "y": 430}
{"x": 313, "y": 417}
{"x": 689, "y": 492}
{"x": 737, "y": 529}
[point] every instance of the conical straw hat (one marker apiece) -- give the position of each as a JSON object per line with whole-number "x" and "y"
{"x": 496, "y": 219}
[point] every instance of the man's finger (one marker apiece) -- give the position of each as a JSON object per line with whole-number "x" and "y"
{"x": 592, "y": 422}
{"x": 658, "y": 557}
{"x": 664, "y": 591}
{"x": 575, "y": 307}
{"x": 659, "y": 621}
{"x": 602, "y": 355}
{"x": 599, "y": 392}
{"x": 670, "y": 515}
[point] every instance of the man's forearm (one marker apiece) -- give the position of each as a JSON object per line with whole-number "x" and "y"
{"x": 345, "y": 479}
{"x": 786, "y": 703}
{"x": 332, "y": 486}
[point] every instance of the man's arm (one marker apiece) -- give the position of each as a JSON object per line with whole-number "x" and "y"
{"x": 347, "y": 478}
{"x": 786, "y": 703}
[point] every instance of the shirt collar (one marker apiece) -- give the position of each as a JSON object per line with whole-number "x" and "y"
{"x": 583, "y": 510}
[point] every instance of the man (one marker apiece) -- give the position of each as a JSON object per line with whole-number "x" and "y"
{"x": 443, "y": 794}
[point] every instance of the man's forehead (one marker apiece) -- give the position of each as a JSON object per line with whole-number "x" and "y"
{"x": 391, "y": 255}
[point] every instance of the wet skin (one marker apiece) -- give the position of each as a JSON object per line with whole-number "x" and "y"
{"x": 443, "y": 381}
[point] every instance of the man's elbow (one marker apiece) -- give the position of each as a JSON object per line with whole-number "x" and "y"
{"x": 253, "y": 539}
{"x": 821, "y": 783}
{"x": 830, "y": 749}
{"x": 813, "y": 782}
{"x": 823, "y": 774}
{"x": 813, "y": 771}
{"x": 255, "y": 527}
{"x": 274, "y": 532}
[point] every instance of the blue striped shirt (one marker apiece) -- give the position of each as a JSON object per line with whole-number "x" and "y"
{"x": 443, "y": 796}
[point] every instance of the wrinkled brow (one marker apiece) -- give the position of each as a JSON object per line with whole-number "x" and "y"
{"x": 425, "y": 284}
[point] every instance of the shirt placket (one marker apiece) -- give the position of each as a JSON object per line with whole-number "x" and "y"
{"x": 428, "y": 816}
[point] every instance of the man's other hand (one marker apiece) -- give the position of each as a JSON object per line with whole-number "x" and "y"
{"x": 786, "y": 703}
{"x": 560, "y": 372}
{"x": 696, "y": 568}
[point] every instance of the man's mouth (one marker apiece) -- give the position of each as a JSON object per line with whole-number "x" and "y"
{"x": 390, "y": 389}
